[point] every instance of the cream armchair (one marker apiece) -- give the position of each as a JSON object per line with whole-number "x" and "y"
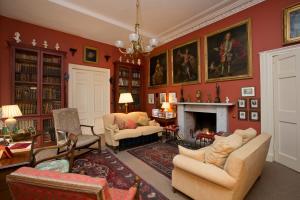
{"x": 199, "y": 180}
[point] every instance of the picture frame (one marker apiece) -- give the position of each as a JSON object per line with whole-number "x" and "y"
{"x": 242, "y": 115}
{"x": 91, "y": 55}
{"x": 162, "y": 97}
{"x": 254, "y": 103}
{"x": 248, "y": 91}
{"x": 172, "y": 97}
{"x": 186, "y": 63}
{"x": 254, "y": 115}
{"x": 228, "y": 53}
{"x": 242, "y": 103}
{"x": 291, "y": 24}
{"x": 158, "y": 70}
{"x": 151, "y": 98}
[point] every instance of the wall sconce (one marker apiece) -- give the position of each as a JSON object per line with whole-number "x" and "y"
{"x": 73, "y": 51}
{"x": 107, "y": 57}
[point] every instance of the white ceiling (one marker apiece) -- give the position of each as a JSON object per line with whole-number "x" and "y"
{"x": 109, "y": 20}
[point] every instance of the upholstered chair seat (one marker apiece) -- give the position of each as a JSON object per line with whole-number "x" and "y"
{"x": 66, "y": 120}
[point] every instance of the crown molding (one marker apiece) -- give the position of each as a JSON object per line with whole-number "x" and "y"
{"x": 201, "y": 20}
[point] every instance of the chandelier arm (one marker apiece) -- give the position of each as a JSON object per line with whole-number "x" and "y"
{"x": 123, "y": 52}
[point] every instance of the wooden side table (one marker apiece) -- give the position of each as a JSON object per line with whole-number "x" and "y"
{"x": 165, "y": 121}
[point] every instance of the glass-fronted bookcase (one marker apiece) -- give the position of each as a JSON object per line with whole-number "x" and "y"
{"x": 37, "y": 86}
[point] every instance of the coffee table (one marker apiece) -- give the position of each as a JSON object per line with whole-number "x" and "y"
{"x": 18, "y": 159}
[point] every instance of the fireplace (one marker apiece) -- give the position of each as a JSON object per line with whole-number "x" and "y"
{"x": 205, "y": 121}
{"x": 194, "y": 116}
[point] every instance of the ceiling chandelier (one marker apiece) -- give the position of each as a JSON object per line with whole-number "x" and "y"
{"x": 136, "y": 48}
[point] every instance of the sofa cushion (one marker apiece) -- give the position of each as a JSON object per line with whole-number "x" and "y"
{"x": 130, "y": 124}
{"x": 246, "y": 135}
{"x": 148, "y": 130}
{"x": 136, "y": 115}
{"x": 127, "y": 133}
{"x": 143, "y": 121}
{"x": 218, "y": 152}
{"x": 120, "y": 122}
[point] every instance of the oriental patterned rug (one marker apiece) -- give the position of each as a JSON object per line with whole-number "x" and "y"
{"x": 157, "y": 155}
{"x": 117, "y": 174}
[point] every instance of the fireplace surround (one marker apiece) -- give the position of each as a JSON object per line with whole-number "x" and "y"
{"x": 187, "y": 119}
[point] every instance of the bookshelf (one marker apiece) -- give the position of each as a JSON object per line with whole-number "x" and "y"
{"x": 127, "y": 79}
{"x": 37, "y": 86}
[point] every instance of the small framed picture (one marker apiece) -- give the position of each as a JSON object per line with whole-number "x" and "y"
{"x": 242, "y": 115}
{"x": 162, "y": 97}
{"x": 242, "y": 103}
{"x": 172, "y": 97}
{"x": 254, "y": 115}
{"x": 151, "y": 98}
{"x": 155, "y": 112}
{"x": 254, "y": 103}
{"x": 90, "y": 55}
{"x": 248, "y": 91}
{"x": 291, "y": 25}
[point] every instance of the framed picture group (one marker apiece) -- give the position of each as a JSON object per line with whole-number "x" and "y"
{"x": 248, "y": 108}
{"x": 228, "y": 56}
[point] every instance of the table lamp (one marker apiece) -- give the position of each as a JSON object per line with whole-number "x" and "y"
{"x": 9, "y": 112}
{"x": 126, "y": 98}
{"x": 166, "y": 106}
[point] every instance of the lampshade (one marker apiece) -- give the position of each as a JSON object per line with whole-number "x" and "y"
{"x": 11, "y": 111}
{"x": 165, "y": 105}
{"x": 125, "y": 98}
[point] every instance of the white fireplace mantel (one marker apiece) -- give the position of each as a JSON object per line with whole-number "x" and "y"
{"x": 186, "y": 119}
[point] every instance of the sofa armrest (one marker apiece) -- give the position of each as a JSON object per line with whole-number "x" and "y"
{"x": 209, "y": 172}
{"x": 195, "y": 154}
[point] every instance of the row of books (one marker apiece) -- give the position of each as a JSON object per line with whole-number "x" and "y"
{"x": 28, "y": 108}
{"x": 26, "y": 56}
{"x": 51, "y": 93}
{"x": 49, "y": 106}
{"x": 124, "y": 73}
{"x": 26, "y": 68}
{"x": 25, "y": 124}
{"x": 25, "y": 93}
{"x": 49, "y": 70}
{"x": 136, "y": 75}
{"x": 123, "y": 82}
{"x": 51, "y": 79}
{"x": 135, "y": 83}
{"x": 55, "y": 60}
{"x": 26, "y": 77}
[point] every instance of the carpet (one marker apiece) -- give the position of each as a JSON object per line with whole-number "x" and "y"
{"x": 157, "y": 155}
{"x": 117, "y": 174}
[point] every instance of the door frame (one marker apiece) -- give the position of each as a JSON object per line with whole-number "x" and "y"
{"x": 88, "y": 68}
{"x": 267, "y": 94}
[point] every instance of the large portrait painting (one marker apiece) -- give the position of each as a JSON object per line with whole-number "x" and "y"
{"x": 292, "y": 24}
{"x": 228, "y": 53}
{"x": 185, "y": 63}
{"x": 158, "y": 70}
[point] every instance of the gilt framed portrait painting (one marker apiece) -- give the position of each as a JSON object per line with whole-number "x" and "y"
{"x": 228, "y": 53}
{"x": 185, "y": 63}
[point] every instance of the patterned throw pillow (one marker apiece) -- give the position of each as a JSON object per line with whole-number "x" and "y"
{"x": 120, "y": 122}
{"x": 220, "y": 149}
{"x": 130, "y": 124}
{"x": 143, "y": 121}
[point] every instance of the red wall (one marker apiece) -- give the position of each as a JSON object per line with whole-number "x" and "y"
{"x": 267, "y": 23}
{"x": 29, "y": 31}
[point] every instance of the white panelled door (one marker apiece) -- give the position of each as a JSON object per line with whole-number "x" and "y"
{"x": 287, "y": 108}
{"x": 89, "y": 92}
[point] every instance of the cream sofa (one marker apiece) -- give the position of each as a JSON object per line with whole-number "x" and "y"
{"x": 112, "y": 137}
{"x": 200, "y": 180}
